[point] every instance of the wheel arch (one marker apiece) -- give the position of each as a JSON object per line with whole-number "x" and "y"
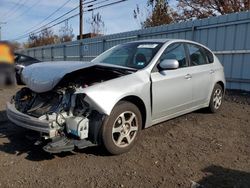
{"x": 222, "y": 85}
{"x": 140, "y": 105}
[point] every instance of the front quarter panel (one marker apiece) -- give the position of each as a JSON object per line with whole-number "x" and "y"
{"x": 104, "y": 96}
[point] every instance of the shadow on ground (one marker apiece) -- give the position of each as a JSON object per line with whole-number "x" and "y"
{"x": 220, "y": 177}
{"x": 18, "y": 141}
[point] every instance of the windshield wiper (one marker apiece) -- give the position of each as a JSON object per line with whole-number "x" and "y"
{"x": 126, "y": 71}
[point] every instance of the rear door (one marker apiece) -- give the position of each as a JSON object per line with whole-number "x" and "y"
{"x": 201, "y": 71}
{"x": 172, "y": 89}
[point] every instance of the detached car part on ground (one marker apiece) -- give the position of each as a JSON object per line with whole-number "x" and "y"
{"x": 109, "y": 100}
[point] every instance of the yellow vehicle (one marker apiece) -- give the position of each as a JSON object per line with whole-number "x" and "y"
{"x": 6, "y": 53}
{"x": 7, "y": 69}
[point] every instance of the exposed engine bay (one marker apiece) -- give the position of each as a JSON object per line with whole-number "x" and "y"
{"x": 91, "y": 76}
{"x": 76, "y": 122}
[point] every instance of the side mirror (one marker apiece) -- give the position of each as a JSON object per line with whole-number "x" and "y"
{"x": 169, "y": 64}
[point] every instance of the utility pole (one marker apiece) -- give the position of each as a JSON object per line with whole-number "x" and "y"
{"x": 80, "y": 19}
{"x": 1, "y": 28}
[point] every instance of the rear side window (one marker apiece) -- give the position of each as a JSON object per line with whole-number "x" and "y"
{"x": 197, "y": 55}
{"x": 175, "y": 51}
{"x": 210, "y": 56}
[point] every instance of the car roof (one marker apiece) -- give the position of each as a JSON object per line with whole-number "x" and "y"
{"x": 150, "y": 40}
{"x": 165, "y": 40}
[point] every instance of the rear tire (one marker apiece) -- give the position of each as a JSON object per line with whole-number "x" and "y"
{"x": 121, "y": 128}
{"x": 216, "y": 99}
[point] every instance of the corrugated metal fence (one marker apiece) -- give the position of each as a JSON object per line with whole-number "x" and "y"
{"x": 228, "y": 36}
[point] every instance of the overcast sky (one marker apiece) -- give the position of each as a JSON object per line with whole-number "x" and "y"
{"x": 22, "y": 15}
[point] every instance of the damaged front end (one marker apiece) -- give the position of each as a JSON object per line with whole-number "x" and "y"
{"x": 62, "y": 115}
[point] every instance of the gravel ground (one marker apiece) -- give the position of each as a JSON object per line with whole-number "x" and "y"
{"x": 212, "y": 150}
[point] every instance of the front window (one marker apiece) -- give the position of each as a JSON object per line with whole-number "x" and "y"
{"x": 133, "y": 55}
{"x": 175, "y": 51}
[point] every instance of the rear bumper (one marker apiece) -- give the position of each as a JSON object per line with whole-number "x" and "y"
{"x": 29, "y": 122}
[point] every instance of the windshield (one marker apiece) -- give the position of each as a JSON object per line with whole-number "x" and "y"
{"x": 133, "y": 55}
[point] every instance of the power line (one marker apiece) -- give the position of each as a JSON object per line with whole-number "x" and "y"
{"x": 29, "y": 32}
{"x": 85, "y": 3}
{"x": 13, "y": 7}
{"x": 17, "y": 8}
{"x": 81, "y": 15}
{"x": 102, "y": 6}
{"x": 20, "y": 6}
{"x": 49, "y": 16}
{"x": 26, "y": 35}
{"x": 54, "y": 19}
{"x": 35, "y": 31}
{"x": 97, "y": 3}
{"x": 58, "y": 22}
{"x": 28, "y": 9}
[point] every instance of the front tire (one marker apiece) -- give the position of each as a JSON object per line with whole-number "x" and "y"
{"x": 121, "y": 129}
{"x": 216, "y": 99}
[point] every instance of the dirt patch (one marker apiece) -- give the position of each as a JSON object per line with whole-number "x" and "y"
{"x": 212, "y": 150}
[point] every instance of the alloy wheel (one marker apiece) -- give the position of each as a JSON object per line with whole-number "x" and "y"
{"x": 217, "y": 98}
{"x": 125, "y": 129}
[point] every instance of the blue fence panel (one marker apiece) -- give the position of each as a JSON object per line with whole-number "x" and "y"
{"x": 228, "y": 36}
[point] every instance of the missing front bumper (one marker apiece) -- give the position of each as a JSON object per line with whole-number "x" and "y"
{"x": 87, "y": 131}
{"x": 29, "y": 122}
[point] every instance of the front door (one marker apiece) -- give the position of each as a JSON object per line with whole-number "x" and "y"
{"x": 172, "y": 89}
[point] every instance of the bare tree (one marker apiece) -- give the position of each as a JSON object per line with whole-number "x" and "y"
{"x": 97, "y": 24}
{"x": 45, "y": 37}
{"x": 139, "y": 15}
{"x": 66, "y": 33}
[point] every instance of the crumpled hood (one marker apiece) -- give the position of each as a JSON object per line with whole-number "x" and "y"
{"x": 44, "y": 76}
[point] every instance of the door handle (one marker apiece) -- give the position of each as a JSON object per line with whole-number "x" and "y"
{"x": 188, "y": 77}
{"x": 211, "y": 71}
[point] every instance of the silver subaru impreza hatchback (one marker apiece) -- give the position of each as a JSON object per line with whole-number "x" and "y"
{"x": 109, "y": 100}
